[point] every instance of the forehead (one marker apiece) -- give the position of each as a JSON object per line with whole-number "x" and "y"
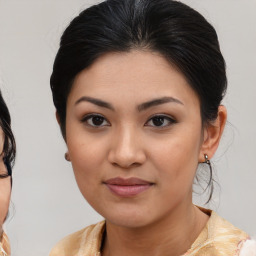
{"x": 139, "y": 75}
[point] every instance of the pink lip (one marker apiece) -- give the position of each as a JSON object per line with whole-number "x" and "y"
{"x": 127, "y": 187}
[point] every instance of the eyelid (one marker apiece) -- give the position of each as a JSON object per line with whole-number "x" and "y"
{"x": 171, "y": 119}
{"x": 91, "y": 115}
{"x": 87, "y": 116}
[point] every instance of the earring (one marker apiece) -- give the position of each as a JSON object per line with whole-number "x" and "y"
{"x": 67, "y": 157}
{"x": 206, "y": 159}
{"x": 210, "y": 183}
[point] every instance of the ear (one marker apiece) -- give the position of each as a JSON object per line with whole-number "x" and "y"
{"x": 67, "y": 157}
{"x": 212, "y": 134}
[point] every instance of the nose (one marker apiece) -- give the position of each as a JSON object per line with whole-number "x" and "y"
{"x": 126, "y": 149}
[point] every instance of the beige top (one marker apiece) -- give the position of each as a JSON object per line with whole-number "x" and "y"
{"x": 4, "y": 246}
{"x": 219, "y": 237}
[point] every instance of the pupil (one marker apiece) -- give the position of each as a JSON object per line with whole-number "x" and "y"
{"x": 97, "y": 120}
{"x": 158, "y": 121}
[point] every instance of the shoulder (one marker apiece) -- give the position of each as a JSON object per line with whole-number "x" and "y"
{"x": 227, "y": 238}
{"x": 218, "y": 227}
{"x": 220, "y": 238}
{"x": 86, "y": 241}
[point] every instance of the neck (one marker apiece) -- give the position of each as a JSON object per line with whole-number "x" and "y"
{"x": 173, "y": 235}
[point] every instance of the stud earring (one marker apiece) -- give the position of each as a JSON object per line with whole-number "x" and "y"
{"x": 67, "y": 157}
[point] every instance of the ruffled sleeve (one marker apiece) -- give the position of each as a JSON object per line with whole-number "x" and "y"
{"x": 248, "y": 248}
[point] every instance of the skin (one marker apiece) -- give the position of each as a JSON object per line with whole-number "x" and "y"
{"x": 129, "y": 144}
{"x": 5, "y": 187}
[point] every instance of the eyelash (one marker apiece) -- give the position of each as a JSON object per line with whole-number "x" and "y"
{"x": 169, "y": 119}
{"x": 90, "y": 116}
{"x": 165, "y": 117}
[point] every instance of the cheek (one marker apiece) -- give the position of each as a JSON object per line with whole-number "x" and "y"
{"x": 176, "y": 158}
{"x": 87, "y": 150}
{"x": 88, "y": 157}
{"x": 87, "y": 154}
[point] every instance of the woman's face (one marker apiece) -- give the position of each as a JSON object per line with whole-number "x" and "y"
{"x": 5, "y": 186}
{"x": 134, "y": 137}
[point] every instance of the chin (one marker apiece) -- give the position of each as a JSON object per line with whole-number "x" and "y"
{"x": 128, "y": 218}
{"x": 128, "y": 222}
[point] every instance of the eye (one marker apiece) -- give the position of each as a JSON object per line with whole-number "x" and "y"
{"x": 160, "y": 121}
{"x": 95, "y": 120}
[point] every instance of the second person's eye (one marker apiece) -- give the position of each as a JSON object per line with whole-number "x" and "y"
{"x": 95, "y": 120}
{"x": 160, "y": 121}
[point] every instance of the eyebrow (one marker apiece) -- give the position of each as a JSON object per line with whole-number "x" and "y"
{"x": 95, "y": 101}
{"x": 158, "y": 101}
{"x": 141, "y": 107}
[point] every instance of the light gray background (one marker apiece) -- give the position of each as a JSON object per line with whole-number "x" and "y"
{"x": 47, "y": 203}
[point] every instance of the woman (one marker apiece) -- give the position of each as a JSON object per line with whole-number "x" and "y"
{"x": 137, "y": 87}
{"x": 7, "y": 149}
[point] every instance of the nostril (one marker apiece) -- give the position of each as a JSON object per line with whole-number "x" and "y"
{"x": 125, "y": 166}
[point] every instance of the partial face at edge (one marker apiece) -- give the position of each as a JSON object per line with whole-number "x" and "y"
{"x": 5, "y": 186}
{"x": 132, "y": 115}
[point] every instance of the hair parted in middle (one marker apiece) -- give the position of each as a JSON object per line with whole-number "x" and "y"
{"x": 176, "y": 31}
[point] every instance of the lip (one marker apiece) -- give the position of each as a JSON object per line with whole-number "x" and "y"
{"x": 127, "y": 187}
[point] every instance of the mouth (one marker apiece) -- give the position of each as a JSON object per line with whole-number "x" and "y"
{"x": 127, "y": 187}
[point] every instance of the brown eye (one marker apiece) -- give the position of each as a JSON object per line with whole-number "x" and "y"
{"x": 160, "y": 121}
{"x": 95, "y": 121}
